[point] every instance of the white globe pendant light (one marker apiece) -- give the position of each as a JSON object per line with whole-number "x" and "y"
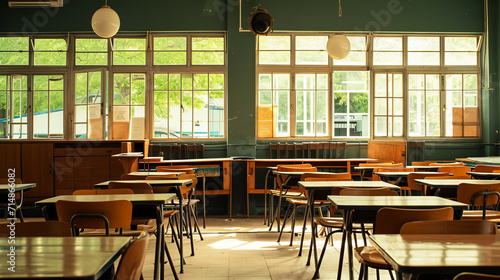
{"x": 338, "y": 46}
{"x": 105, "y": 22}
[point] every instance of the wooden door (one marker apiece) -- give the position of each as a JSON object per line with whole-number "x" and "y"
{"x": 37, "y": 166}
{"x": 388, "y": 151}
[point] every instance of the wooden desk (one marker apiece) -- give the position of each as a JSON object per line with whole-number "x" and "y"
{"x": 440, "y": 253}
{"x": 400, "y": 176}
{"x": 130, "y": 161}
{"x": 311, "y": 186}
{"x": 62, "y": 257}
{"x": 157, "y": 201}
{"x": 253, "y": 164}
{"x": 146, "y": 173}
{"x": 451, "y": 183}
{"x": 352, "y": 203}
{"x": 18, "y": 188}
{"x": 485, "y": 175}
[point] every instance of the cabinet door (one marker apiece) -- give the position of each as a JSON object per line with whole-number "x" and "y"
{"x": 37, "y": 166}
{"x": 11, "y": 158}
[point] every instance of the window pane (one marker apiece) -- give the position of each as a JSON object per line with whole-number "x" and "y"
{"x": 387, "y": 43}
{"x": 208, "y": 58}
{"x": 274, "y": 42}
{"x": 50, "y": 51}
{"x": 274, "y": 57}
{"x": 423, "y": 58}
{"x": 91, "y": 52}
{"x": 128, "y": 51}
{"x": 423, "y": 43}
{"x": 312, "y": 57}
{"x": 387, "y": 58}
{"x": 170, "y": 50}
{"x": 14, "y": 50}
{"x": 460, "y": 58}
{"x": 460, "y": 44}
{"x": 357, "y": 55}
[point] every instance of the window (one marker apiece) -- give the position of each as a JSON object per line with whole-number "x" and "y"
{"x": 129, "y": 100}
{"x": 207, "y": 51}
{"x": 14, "y": 50}
{"x": 388, "y": 103}
{"x": 88, "y": 105}
{"x": 170, "y": 50}
{"x": 400, "y": 86}
{"x": 189, "y": 105}
{"x": 351, "y": 103}
{"x": 129, "y": 51}
{"x": 50, "y": 52}
{"x": 13, "y": 107}
{"x": 91, "y": 52}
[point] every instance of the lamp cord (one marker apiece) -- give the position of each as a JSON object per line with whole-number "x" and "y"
{"x": 340, "y": 8}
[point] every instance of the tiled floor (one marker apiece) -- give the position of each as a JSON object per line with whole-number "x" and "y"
{"x": 243, "y": 248}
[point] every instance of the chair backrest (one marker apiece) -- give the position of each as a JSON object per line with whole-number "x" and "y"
{"x": 456, "y": 170}
{"x": 446, "y": 164}
{"x": 38, "y": 229}
{"x": 316, "y": 176}
{"x": 475, "y": 276}
{"x": 450, "y": 227}
{"x": 421, "y": 175}
{"x": 486, "y": 168}
{"x": 293, "y": 165}
{"x": 397, "y": 169}
{"x": 176, "y": 168}
{"x": 381, "y": 164}
{"x": 478, "y": 194}
{"x": 132, "y": 260}
{"x": 89, "y": 214}
{"x": 381, "y": 191}
{"x": 292, "y": 183}
{"x": 390, "y": 220}
{"x": 103, "y": 191}
{"x": 133, "y": 177}
{"x": 136, "y": 187}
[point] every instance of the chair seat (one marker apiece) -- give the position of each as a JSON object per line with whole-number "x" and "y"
{"x": 478, "y": 215}
{"x": 287, "y": 193}
{"x": 369, "y": 256}
{"x": 303, "y": 201}
{"x": 338, "y": 222}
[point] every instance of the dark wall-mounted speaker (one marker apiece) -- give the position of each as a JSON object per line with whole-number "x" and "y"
{"x": 260, "y": 21}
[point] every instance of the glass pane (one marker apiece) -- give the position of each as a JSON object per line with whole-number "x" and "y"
{"x": 274, "y": 42}
{"x": 265, "y": 81}
{"x": 470, "y": 81}
{"x": 397, "y": 126}
{"x": 14, "y": 44}
{"x": 380, "y": 106}
{"x": 200, "y": 81}
{"x": 380, "y": 85}
{"x": 398, "y": 107}
{"x": 174, "y": 81}
{"x": 208, "y": 58}
{"x": 170, "y": 43}
{"x": 80, "y": 131}
{"x": 208, "y": 43}
{"x": 432, "y": 82}
{"x": 216, "y": 81}
{"x": 80, "y": 113}
{"x": 201, "y": 107}
{"x": 160, "y": 81}
{"x": 95, "y": 95}
{"x": 470, "y": 98}
{"x": 416, "y": 81}
{"x": 387, "y": 43}
{"x": 50, "y": 51}
{"x": 310, "y": 42}
{"x": 460, "y": 58}
{"x": 129, "y": 57}
{"x": 265, "y": 98}
{"x": 91, "y": 58}
{"x": 454, "y": 82}
{"x": 340, "y": 101}
{"x": 91, "y": 52}
{"x": 433, "y": 113}
{"x": 81, "y": 88}
{"x": 138, "y": 89}
{"x": 121, "y": 89}
{"x": 170, "y": 58}
{"x": 380, "y": 126}
{"x": 460, "y": 43}
{"x": 358, "y": 102}
{"x": 423, "y": 58}
{"x": 416, "y": 113}
{"x": 160, "y": 114}
{"x": 56, "y": 121}
{"x": 216, "y": 114}
{"x": 186, "y": 114}
{"x": 311, "y": 57}
{"x": 358, "y": 43}
{"x": 14, "y": 58}
{"x": 50, "y": 58}
{"x": 387, "y": 58}
{"x": 423, "y": 43}
{"x": 91, "y": 45}
{"x": 274, "y": 57}
{"x": 398, "y": 85}
{"x": 40, "y": 114}
{"x": 353, "y": 58}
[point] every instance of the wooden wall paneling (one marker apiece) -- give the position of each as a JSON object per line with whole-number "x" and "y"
{"x": 388, "y": 151}
{"x": 115, "y": 168}
{"x": 37, "y": 166}
{"x": 11, "y": 158}
{"x": 63, "y": 175}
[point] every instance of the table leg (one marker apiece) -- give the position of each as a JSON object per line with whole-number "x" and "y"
{"x": 159, "y": 245}
{"x": 204, "y": 209}
{"x": 181, "y": 233}
{"x": 265, "y": 196}
{"x": 349, "y": 244}
{"x": 313, "y": 233}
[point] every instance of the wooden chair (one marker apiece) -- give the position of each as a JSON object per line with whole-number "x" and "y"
{"x": 486, "y": 168}
{"x": 456, "y": 170}
{"x": 19, "y": 197}
{"x": 448, "y": 193}
{"x": 390, "y": 221}
{"x": 369, "y": 175}
{"x": 176, "y": 168}
{"x": 421, "y": 163}
{"x": 95, "y": 214}
{"x": 132, "y": 260}
{"x": 320, "y": 201}
{"x": 359, "y": 219}
{"x": 450, "y": 227}
{"x": 136, "y": 187}
{"x": 421, "y": 189}
{"x": 446, "y": 164}
{"x": 398, "y": 182}
{"x": 475, "y": 276}
{"x": 482, "y": 197}
{"x": 288, "y": 187}
{"x": 39, "y": 229}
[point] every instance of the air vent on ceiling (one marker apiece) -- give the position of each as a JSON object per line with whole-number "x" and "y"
{"x": 35, "y": 3}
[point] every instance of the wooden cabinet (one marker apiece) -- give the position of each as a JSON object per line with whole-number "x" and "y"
{"x": 11, "y": 158}
{"x": 37, "y": 166}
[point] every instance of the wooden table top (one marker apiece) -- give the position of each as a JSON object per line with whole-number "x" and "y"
{"x": 452, "y": 183}
{"x": 17, "y": 187}
{"x": 145, "y": 173}
{"x": 61, "y": 257}
{"x": 306, "y": 160}
{"x": 490, "y": 175}
{"x": 132, "y": 155}
{"x": 349, "y": 202}
{"x": 440, "y": 253}
{"x": 151, "y": 182}
{"x": 318, "y": 185}
{"x": 136, "y": 199}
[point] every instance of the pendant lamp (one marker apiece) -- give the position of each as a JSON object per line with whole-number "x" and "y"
{"x": 338, "y": 46}
{"x": 105, "y": 22}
